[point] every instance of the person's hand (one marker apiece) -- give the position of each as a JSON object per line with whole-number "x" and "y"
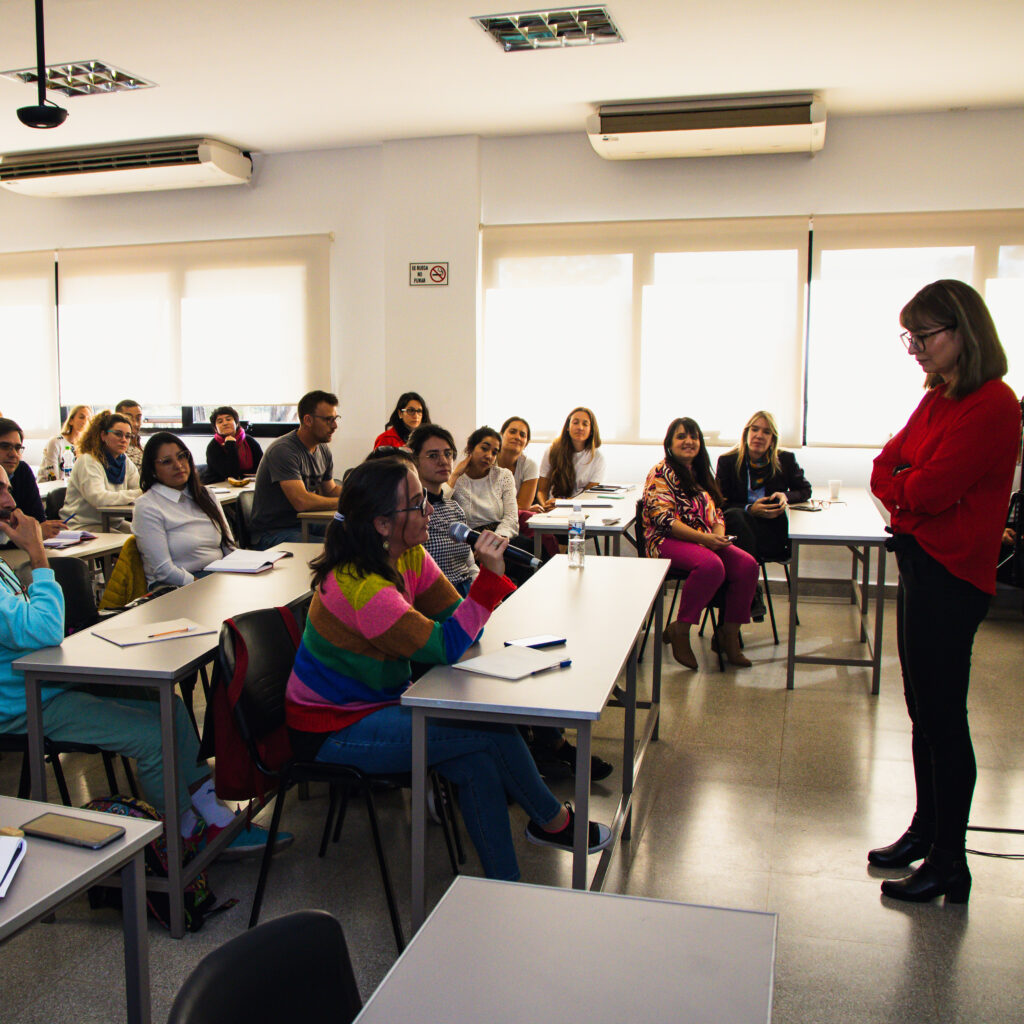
{"x": 548, "y": 504}
{"x": 229, "y": 437}
{"x": 1009, "y": 536}
{"x": 26, "y": 532}
{"x": 767, "y": 507}
{"x": 51, "y": 528}
{"x": 536, "y": 508}
{"x": 715, "y": 541}
{"x": 460, "y": 468}
{"x": 489, "y": 551}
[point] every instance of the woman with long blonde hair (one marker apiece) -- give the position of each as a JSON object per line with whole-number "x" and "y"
{"x": 59, "y": 453}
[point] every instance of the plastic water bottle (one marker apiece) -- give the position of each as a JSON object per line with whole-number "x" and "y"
{"x": 67, "y": 461}
{"x": 577, "y": 537}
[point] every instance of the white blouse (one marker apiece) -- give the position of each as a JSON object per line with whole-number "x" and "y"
{"x": 490, "y": 499}
{"x": 176, "y": 537}
{"x": 589, "y": 467}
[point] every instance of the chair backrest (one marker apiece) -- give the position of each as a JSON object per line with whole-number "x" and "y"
{"x": 638, "y": 529}
{"x": 243, "y": 517}
{"x": 294, "y": 968}
{"x": 55, "y": 502}
{"x": 270, "y": 653}
{"x": 75, "y": 580}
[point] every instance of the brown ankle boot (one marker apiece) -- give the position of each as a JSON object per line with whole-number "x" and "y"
{"x": 729, "y": 640}
{"x": 678, "y": 635}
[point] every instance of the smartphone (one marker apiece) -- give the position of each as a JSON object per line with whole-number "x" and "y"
{"x": 540, "y": 640}
{"x": 730, "y": 537}
{"x": 62, "y": 828}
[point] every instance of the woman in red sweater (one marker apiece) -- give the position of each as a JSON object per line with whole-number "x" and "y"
{"x": 945, "y": 479}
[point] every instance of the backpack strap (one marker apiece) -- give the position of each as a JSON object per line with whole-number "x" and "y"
{"x": 237, "y": 679}
{"x": 291, "y": 625}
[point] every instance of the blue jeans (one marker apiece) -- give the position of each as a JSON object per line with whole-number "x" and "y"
{"x": 485, "y": 761}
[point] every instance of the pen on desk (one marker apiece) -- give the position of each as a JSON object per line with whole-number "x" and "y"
{"x": 551, "y": 668}
{"x": 170, "y": 632}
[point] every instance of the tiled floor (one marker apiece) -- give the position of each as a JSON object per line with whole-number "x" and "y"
{"x": 754, "y": 797}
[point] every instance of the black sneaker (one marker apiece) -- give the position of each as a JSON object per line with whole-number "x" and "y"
{"x": 599, "y": 767}
{"x": 598, "y": 836}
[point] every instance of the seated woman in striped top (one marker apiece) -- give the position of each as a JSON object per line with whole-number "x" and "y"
{"x": 380, "y": 602}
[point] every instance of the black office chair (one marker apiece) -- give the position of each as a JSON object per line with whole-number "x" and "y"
{"x": 676, "y": 576}
{"x": 294, "y": 968}
{"x": 783, "y": 560}
{"x": 55, "y": 502}
{"x": 260, "y": 713}
{"x": 243, "y": 517}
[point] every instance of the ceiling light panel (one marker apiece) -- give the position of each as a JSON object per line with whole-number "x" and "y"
{"x": 547, "y": 30}
{"x": 82, "y": 78}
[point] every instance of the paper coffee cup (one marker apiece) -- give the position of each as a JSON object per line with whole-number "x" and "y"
{"x": 833, "y": 489}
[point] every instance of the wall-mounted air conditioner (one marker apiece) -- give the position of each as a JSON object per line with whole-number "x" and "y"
{"x": 717, "y": 126}
{"x": 125, "y": 167}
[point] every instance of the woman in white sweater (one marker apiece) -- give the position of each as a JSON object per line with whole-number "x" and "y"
{"x": 103, "y": 474}
{"x": 178, "y": 523}
{"x": 486, "y": 492}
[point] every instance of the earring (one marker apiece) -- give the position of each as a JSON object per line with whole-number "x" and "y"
{"x": 385, "y": 544}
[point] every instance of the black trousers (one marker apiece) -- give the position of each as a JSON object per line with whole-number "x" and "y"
{"x": 765, "y": 539}
{"x": 937, "y": 615}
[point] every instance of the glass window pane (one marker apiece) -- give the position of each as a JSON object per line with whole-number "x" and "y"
{"x": 558, "y": 333}
{"x": 861, "y": 383}
{"x": 26, "y": 325}
{"x": 721, "y": 339}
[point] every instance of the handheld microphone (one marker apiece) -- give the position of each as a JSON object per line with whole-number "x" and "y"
{"x": 461, "y": 532}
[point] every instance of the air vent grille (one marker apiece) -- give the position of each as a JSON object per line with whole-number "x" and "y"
{"x": 548, "y": 30}
{"x": 56, "y": 162}
{"x": 82, "y": 78}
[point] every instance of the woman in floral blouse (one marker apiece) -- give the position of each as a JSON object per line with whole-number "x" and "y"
{"x": 682, "y": 522}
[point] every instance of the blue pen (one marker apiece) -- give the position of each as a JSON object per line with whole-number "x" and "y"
{"x": 69, "y": 518}
{"x": 551, "y": 668}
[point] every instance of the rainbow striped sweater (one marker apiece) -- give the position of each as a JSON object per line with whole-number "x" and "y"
{"x": 362, "y": 633}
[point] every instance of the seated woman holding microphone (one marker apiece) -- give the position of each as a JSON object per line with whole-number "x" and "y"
{"x": 178, "y": 524}
{"x": 103, "y": 473}
{"x": 682, "y": 522}
{"x": 379, "y": 603}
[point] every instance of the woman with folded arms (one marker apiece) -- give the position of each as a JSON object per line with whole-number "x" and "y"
{"x": 409, "y": 413}
{"x": 56, "y": 453}
{"x": 103, "y": 474}
{"x": 945, "y": 479}
{"x": 573, "y": 463}
{"x": 486, "y": 492}
{"x": 379, "y": 603}
{"x": 178, "y": 524}
{"x": 231, "y": 452}
{"x": 682, "y": 522}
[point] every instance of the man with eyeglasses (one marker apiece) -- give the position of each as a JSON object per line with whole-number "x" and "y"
{"x": 24, "y": 489}
{"x": 296, "y": 474}
{"x": 433, "y": 448}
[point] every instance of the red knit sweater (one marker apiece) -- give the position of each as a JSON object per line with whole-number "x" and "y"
{"x": 953, "y": 496}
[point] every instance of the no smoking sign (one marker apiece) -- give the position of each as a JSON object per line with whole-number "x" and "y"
{"x": 428, "y": 273}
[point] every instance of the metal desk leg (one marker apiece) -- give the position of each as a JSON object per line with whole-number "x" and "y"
{"x": 305, "y": 531}
{"x": 865, "y": 578}
{"x": 876, "y": 653}
{"x": 419, "y": 816}
{"x": 172, "y": 816}
{"x": 659, "y": 616}
{"x": 794, "y": 587}
{"x": 579, "y": 845}
{"x": 629, "y": 738}
{"x": 136, "y": 940}
{"x": 34, "y": 728}
{"x": 616, "y": 544}
{"x": 536, "y": 543}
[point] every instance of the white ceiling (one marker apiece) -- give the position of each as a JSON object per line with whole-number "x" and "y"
{"x": 286, "y": 75}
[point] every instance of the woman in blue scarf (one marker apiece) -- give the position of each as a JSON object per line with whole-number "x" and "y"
{"x": 103, "y": 474}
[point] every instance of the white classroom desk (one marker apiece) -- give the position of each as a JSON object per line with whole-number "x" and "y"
{"x": 225, "y": 493}
{"x": 622, "y": 508}
{"x": 53, "y": 873}
{"x": 600, "y": 610}
{"x": 507, "y": 952}
{"x": 854, "y": 522}
{"x": 87, "y": 659}
{"x": 103, "y": 548}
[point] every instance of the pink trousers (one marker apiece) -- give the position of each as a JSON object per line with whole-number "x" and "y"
{"x": 708, "y": 571}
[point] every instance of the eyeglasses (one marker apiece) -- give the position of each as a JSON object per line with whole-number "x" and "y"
{"x": 171, "y": 459}
{"x": 411, "y": 410}
{"x": 421, "y": 507}
{"x": 333, "y": 420}
{"x": 7, "y": 446}
{"x": 913, "y": 341}
{"x": 440, "y": 455}
{"x": 120, "y": 433}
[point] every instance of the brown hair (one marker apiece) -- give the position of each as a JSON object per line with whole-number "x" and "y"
{"x": 89, "y": 443}
{"x": 957, "y": 306}
{"x": 562, "y": 477}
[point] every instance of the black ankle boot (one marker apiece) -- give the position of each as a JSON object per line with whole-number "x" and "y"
{"x": 909, "y": 847}
{"x": 942, "y": 874}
